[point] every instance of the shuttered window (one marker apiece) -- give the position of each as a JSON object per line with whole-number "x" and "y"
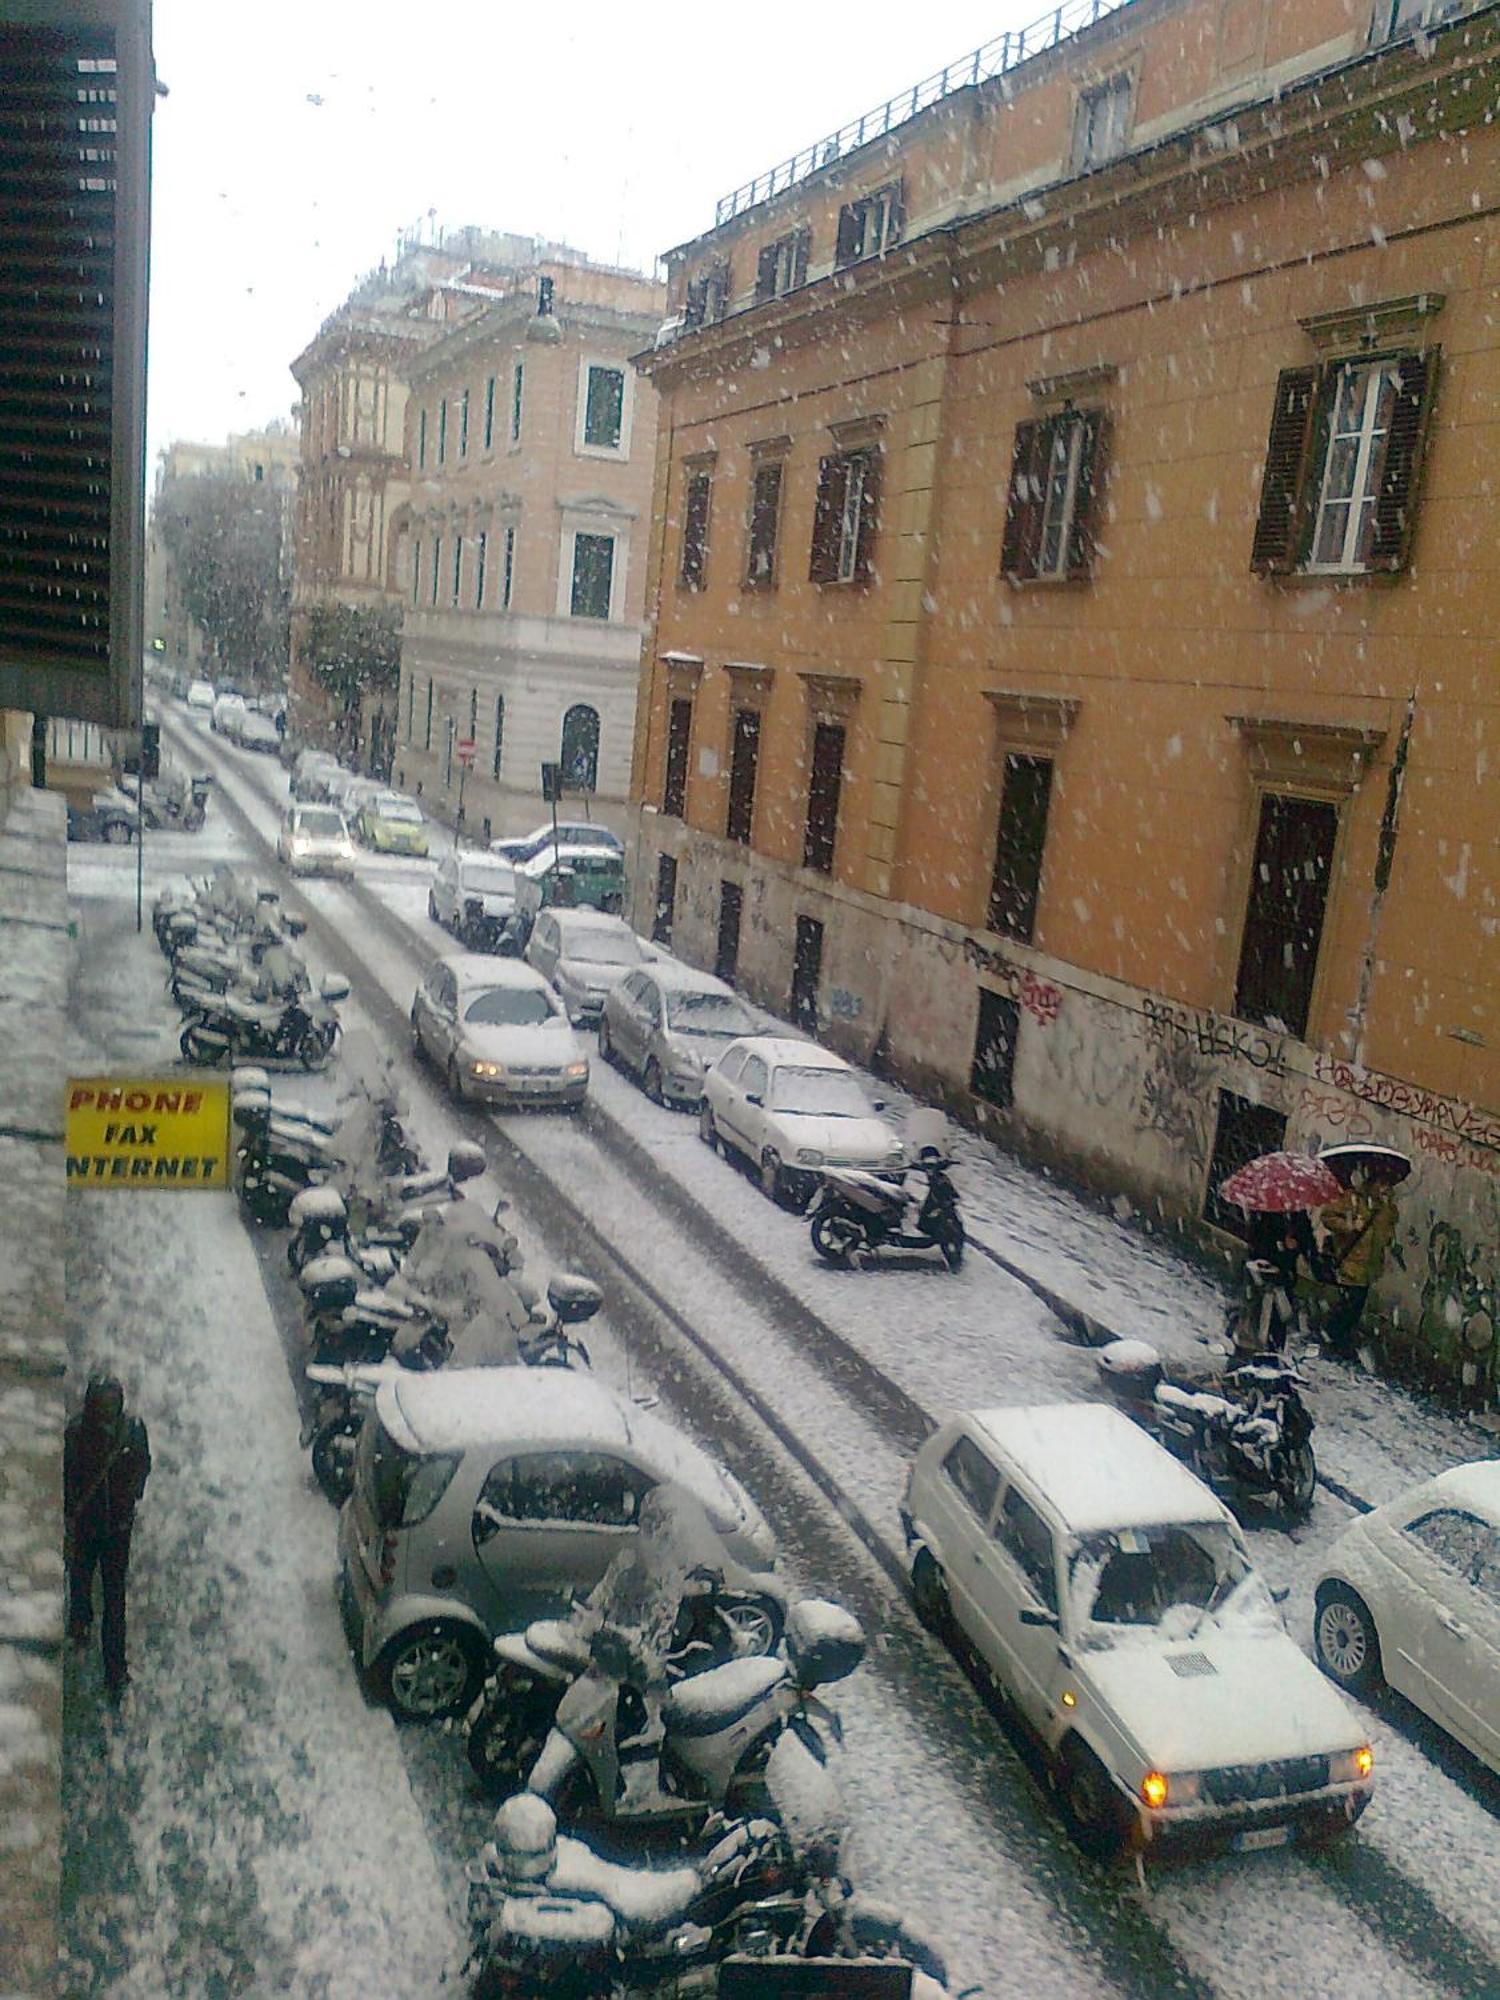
{"x": 695, "y": 510}
{"x": 744, "y": 760}
{"x": 870, "y": 225}
{"x": 846, "y": 517}
{"x": 679, "y": 737}
{"x": 1020, "y": 838}
{"x": 765, "y": 520}
{"x": 1338, "y": 494}
{"x": 782, "y": 265}
{"x": 1052, "y": 503}
{"x": 824, "y": 785}
{"x": 1289, "y": 882}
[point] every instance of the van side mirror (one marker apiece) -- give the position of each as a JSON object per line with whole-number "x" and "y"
{"x": 1036, "y": 1614}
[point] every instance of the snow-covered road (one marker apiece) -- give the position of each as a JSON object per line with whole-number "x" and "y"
{"x": 849, "y": 1369}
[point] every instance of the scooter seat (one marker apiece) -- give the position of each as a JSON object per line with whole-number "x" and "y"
{"x": 641, "y": 1898}
{"x": 557, "y": 1641}
{"x": 378, "y": 1305}
{"x": 716, "y": 1700}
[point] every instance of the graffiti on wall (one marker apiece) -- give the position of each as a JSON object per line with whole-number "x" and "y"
{"x": 1175, "y": 1098}
{"x": 1460, "y": 1308}
{"x": 1448, "y": 1115}
{"x": 1342, "y": 1115}
{"x": 1041, "y": 999}
{"x": 1214, "y": 1035}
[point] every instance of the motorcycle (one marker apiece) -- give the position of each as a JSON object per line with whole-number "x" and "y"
{"x": 630, "y": 1755}
{"x": 1246, "y": 1432}
{"x": 225, "y": 1028}
{"x": 391, "y": 1221}
{"x": 548, "y": 1915}
{"x": 856, "y": 1215}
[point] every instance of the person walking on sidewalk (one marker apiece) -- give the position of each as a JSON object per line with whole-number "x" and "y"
{"x": 1360, "y": 1226}
{"x": 106, "y": 1461}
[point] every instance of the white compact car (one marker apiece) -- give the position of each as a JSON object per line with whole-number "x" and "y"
{"x": 200, "y": 696}
{"x": 1410, "y": 1595}
{"x": 315, "y": 840}
{"x": 582, "y": 954}
{"x": 792, "y": 1109}
{"x": 498, "y": 1032}
{"x": 1111, "y": 1596}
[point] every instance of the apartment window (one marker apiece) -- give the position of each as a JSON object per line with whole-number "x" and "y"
{"x": 845, "y": 519}
{"x": 695, "y": 508}
{"x": 593, "y": 575}
{"x": 1242, "y": 1133}
{"x": 765, "y": 522}
{"x": 1401, "y": 16}
{"x": 1103, "y": 123}
{"x": 499, "y": 735}
{"x": 869, "y": 226}
{"x": 473, "y": 713}
{"x": 517, "y": 394}
{"x": 744, "y": 758}
{"x": 489, "y": 413}
{"x": 807, "y": 974}
{"x": 580, "y": 748}
{"x": 727, "y": 944}
{"x": 442, "y": 437}
{"x": 437, "y": 563}
{"x": 1289, "y": 881}
{"x": 427, "y": 731}
{"x": 1052, "y": 502}
{"x": 411, "y": 707}
{"x": 679, "y": 739}
{"x": 1020, "y": 838}
{"x": 603, "y": 408}
{"x": 458, "y": 565}
{"x": 824, "y": 785}
{"x": 1342, "y": 461}
{"x": 416, "y": 569}
{"x": 509, "y": 576}
{"x": 666, "y": 899}
{"x": 782, "y": 265}
{"x": 992, "y": 1072}
{"x": 708, "y": 296}
{"x": 421, "y": 439}
{"x": 481, "y": 554}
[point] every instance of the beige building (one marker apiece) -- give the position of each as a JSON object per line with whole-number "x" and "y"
{"x": 1072, "y": 677}
{"x": 522, "y": 549}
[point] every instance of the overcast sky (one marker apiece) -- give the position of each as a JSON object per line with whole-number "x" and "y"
{"x": 298, "y": 139}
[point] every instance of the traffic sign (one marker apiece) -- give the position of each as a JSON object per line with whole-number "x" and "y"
{"x": 464, "y": 749}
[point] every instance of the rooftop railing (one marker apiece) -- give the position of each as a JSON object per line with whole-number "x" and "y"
{"x": 1015, "y": 46}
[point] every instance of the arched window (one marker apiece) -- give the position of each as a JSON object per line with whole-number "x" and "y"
{"x": 580, "y": 748}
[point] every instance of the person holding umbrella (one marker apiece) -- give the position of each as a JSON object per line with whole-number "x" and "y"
{"x": 1360, "y": 1226}
{"x": 1276, "y": 1192}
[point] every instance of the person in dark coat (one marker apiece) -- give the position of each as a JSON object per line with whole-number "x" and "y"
{"x": 106, "y": 1461}
{"x": 1276, "y": 1243}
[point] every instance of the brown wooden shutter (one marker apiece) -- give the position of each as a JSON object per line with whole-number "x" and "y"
{"x": 896, "y": 214}
{"x": 1276, "y": 548}
{"x": 1023, "y": 503}
{"x": 765, "y": 274}
{"x": 833, "y": 477}
{"x": 765, "y": 510}
{"x": 696, "y": 303}
{"x": 1395, "y": 502}
{"x": 1082, "y": 542}
{"x": 849, "y": 232}
{"x": 869, "y": 518}
{"x": 800, "y": 255}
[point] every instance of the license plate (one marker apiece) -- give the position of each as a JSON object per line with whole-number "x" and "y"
{"x": 1262, "y": 1836}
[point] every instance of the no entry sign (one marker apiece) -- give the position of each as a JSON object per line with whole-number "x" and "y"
{"x": 148, "y": 1132}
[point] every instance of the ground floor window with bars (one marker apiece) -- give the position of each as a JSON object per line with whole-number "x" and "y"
{"x": 663, "y": 915}
{"x": 1244, "y": 1131}
{"x": 992, "y": 1074}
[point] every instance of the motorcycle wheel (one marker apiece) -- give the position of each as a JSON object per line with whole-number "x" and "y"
{"x": 506, "y": 1738}
{"x": 836, "y": 1238}
{"x": 1296, "y": 1479}
{"x": 195, "y": 1049}
{"x": 950, "y": 1240}
{"x": 752, "y": 1625}
{"x": 333, "y": 1456}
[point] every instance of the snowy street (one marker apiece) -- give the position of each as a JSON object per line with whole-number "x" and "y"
{"x": 250, "y": 1824}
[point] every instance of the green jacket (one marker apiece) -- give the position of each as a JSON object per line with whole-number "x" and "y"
{"x": 1360, "y": 1226}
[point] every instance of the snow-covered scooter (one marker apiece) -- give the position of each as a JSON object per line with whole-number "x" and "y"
{"x": 857, "y": 1214}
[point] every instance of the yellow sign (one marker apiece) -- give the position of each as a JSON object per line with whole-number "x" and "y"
{"x": 148, "y": 1132}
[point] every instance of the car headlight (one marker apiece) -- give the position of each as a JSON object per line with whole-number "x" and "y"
{"x": 1351, "y": 1767}
{"x": 809, "y": 1156}
{"x": 346, "y": 850}
{"x": 576, "y": 1069}
{"x": 485, "y": 1069}
{"x": 895, "y": 1157}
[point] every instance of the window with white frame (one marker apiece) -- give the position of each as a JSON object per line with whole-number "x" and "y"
{"x": 1358, "y": 426}
{"x": 1399, "y": 17}
{"x": 592, "y": 576}
{"x": 603, "y": 410}
{"x": 1103, "y": 122}
{"x": 782, "y": 265}
{"x": 846, "y": 516}
{"x": 1050, "y": 507}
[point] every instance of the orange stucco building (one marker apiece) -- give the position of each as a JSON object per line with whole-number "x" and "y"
{"x": 1071, "y": 677}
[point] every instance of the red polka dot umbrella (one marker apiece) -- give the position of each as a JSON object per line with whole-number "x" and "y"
{"x": 1279, "y": 1182}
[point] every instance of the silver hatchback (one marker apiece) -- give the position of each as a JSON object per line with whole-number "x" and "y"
{"x": 486, "y": 1497}
{"x": 669, "y": 1024}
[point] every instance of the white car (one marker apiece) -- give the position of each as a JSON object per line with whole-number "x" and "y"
{"x": 315, "y": 840}
{"x": 792, "y": 1109}
{"x": 228, "y": 712}
{"x": 1410, "y": 1595}
{"x": 569, "y": 833}
{"x": 1111, "y": 1596}
{"x": 498, "y": 1033}
{"x": 200, "y": 696}
{"x": 582, "y": 954}
{"x": 254, "y": 731}
{"x": 473, "y": 894}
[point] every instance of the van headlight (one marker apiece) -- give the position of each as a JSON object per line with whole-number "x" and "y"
{"x": 1351, "y": 1767}
{"x": 576, "y": 1070}
{"x": 809, "y": 1156}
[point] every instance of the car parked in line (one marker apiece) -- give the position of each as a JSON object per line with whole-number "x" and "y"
{"x": 669, "y": 1024}
{"x": 391, "y": 823}
{"x": 486, "y": 1497}
{"x": 569, "y": 833}
{"x": 1111, "y": 1596}
{"x": 111, "y": 815}
{"x": 790, "y": 1109}
{"x": 473, "y": 894}
{"x": 315, "y": 840}
{"x": 228, "y": 711}
{"x": 498, "y": 1033}
{"x": 1410, "y": 1596}
{"x": 582, "y": 954}
{"x": 255, "y": 731}
{"x": 200, "y": 697}
{"x": 310, "y": 775}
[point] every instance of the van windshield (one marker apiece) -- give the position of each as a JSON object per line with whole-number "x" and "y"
{"x": 403, "y": 1486}
{"x": 1165, "y": 1579}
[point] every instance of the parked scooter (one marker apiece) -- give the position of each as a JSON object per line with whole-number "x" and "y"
{"x": 1247, "y": 1432}
{"x": 856, "y": 1215}
{"x": 549, "y": 1916}
{"x": 228, "y": 1029}
{"x": 632, "y": 1754}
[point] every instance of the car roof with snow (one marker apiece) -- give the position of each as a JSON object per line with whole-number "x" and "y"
{"x": 1096, "y": 1467}
{"x": 676, "y": 977}
{"x": 786, "y": 1051}
{"x": 477, "y": 968}
{"x": 569, "y": 855}
{"x": 1476, "y": 1485}
{"x": 574, "y": 921}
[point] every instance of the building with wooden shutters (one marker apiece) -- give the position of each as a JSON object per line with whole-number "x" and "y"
{"x": 1071, "y": 678}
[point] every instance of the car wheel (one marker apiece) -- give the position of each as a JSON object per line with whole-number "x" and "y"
{"x": 455, "y": 1081}
{"x": 431, "y": 1671}
{"x": 773, "y": 1181}
{"x": 1100, "y": 1819}
{"x": 708, "y": 1132}
{"x": 753, "y": 1625}
{"x": 117, "y": 833}
{"x": 1347, "y": 1644}
{"x": 929, "y": 1595}
{"x": 651, "y": 1082}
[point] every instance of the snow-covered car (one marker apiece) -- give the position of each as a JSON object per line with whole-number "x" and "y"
{"x": 473, "y": 895}
{"x": 315, "y": 840}
{"x": 1410, "y": 1595}
{"x": 582, "y": 954}
{"x": 255, "y": 731}
{"x": 487, "y": 1497}
{"x": 391, "y": 824}
{"x": 670, "y": 1024}
{"x": 498, "y": 1033}
{"x": 110, "y": 815}
{"x": 200, "y": 696}
{"x": 310, "y": 775}
{"x": 792, "y": 1109}
{"x": 1112, "y": 1597}
{"x": 569, "y": 833}
{"x": 227, "y": 714}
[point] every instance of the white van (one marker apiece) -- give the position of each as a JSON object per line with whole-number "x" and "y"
{"x": 1111, "y": 1596}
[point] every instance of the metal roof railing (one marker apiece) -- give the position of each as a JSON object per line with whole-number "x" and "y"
{"x": 1006, "y": 51}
